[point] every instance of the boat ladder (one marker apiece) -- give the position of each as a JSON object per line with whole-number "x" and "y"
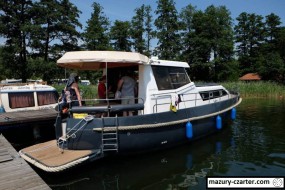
{"x": 110, "y": 138}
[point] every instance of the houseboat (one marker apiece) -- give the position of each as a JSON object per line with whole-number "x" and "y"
{"x": 169, "y": 110}
{"x": 23, "y": 104}
{"x": 27, "y": 97}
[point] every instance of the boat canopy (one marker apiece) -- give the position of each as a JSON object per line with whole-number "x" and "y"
{"x": 94, "y": 60}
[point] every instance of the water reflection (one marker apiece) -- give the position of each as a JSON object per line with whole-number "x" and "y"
{"x": 259, "y": 135}
{"x": 177, "y": 168}
{"x": 253, "y": 145}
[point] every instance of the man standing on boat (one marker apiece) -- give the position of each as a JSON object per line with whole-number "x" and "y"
{"x": 127, "y": 86}
{"x": 102, "y": 91}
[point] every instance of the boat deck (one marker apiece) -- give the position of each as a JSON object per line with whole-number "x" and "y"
{"x": 15, "y": 172}
{"x": 14, "y": 118}
{"x": 49, "y": 157}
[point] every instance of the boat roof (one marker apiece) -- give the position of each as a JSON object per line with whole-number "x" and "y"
{"x": 25, "y": 87}
{"x": 155, "y": 61}
{"x": 94, "y": 60}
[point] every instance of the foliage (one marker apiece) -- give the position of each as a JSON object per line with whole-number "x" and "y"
{"x": 87, "y": 92}
{"x": 41, "y": 69}
{"x": 167, "y": 30}
{"x": 271, "y": 67}
{"x": 149, "y": 32}
{"x": 120, "y": 36}
{"x": 141, "y": 28}
{"x": 15, "y": 22}
{"x": 54, "y": 27}
{"x": 37, "y": 33}
{"x": 249, "y": 33}
{"x": 259, "y": 47}
{"x": 208, "y": 41}
{"x": 96, "y": 35}
{"x": 36, "y": 29}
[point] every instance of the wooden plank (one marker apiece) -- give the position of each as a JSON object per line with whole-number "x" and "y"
{"x": 5, "y": 158}
{"x": 50, "y": 155}
{"x": 16, "y": 173}
{"x": 13, "y": 118}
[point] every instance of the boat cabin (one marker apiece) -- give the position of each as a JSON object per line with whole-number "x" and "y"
{"x": 161, "y": 83}
{"x": 25, "y": 97}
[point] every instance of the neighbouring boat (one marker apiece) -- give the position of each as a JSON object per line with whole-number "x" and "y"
{"x": 24, "y": 103}
{"x": 170, "y": 110}
{"x": 27, "y": 97}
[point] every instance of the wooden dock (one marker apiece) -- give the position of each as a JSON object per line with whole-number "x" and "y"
{"x": 15, "y": 173}
{"x": 14, "y": 118}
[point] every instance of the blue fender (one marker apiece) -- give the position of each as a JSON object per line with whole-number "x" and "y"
{"x": 218, "y": 122}
{"x": 189, "y": 130}
{"x": 233, "y": 114}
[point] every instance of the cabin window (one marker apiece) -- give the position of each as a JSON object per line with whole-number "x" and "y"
{"x": 213, "y": 94}
{"x": 170, "y": 77}
{"x": 45, "y": 98}
{"x": 21, "y": 100}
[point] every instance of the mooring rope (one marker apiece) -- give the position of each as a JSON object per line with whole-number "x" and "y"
{"x": 61, "y": 140}
{"x": 156, "y": 125}
{"x": 52, "y": 168}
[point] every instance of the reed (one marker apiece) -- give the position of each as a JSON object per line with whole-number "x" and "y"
{"x": 257, "y": 89}
{"x": 87, "y": 92}
{"x": 246, "y": 89}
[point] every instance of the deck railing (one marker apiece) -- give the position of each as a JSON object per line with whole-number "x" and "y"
{"x": 195, "y": 97}
{"x": 100, "y": 106}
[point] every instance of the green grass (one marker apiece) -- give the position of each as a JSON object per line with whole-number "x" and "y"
{"x": 88, "y": 92}
{"x": 257, "y": 89}
{"x": 246, "y": 89}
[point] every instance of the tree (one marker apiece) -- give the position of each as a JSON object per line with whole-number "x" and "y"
{"x": 271, "y": 67}
{"x": 201, "y": 46}
{"x": 120, "y": 36}
{"x": 218, "y": 30}
{"x": 15, "y": 22}
{"x": 270, "y": 63}
{"x": 3, "y": 69}
{"x": 54, "y": 28}
{"x": 249, "y": 34}
{"x": 167, "y": 30}
{"x": 272, "y": 27}
{"x": 187, "y": 32}
{"x": 95, "y": 36}
{"x": 148, "y": 29}
{"x": 141, "y": 30}
{"x": 281, "y": 43}
{"x": 281, "y": 47}
{"x": 207, "y": 38}
{"x": 137, "y": 30}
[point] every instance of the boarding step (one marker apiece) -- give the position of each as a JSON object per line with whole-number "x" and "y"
{"x": 110, "y": 138}
{"x": 109, "y": 144}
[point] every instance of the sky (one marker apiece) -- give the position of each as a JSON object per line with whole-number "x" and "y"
{"x": 124, "y": 10}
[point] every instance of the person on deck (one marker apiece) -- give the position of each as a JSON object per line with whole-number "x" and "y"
{"x": 127, "y": 86}
{"x": 72, "y": 91}
{"x": 102, "y": 88}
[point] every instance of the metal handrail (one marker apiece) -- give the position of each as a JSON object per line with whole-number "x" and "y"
{"x": 157, "y": 97}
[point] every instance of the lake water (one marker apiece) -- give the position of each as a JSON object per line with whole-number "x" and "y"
{"x": 253, "y": 145}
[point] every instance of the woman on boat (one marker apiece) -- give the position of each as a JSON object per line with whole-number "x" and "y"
{"x": 72, "y": 92}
